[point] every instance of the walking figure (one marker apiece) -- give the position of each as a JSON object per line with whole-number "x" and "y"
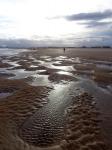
{"x": 64, "y": 50}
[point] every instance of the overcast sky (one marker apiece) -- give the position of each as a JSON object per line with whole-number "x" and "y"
{"x": 56, "y": 22}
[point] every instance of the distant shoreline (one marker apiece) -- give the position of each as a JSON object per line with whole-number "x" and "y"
{"x": 35, "y": 47}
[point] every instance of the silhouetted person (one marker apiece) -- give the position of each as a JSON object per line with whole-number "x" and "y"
{"x": 64, "y": 50}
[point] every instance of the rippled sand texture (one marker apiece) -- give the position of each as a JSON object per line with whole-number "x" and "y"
{"x": 82, "y": 129}
{"x": 15, "y": 109}
{"x": 56, "y": 100}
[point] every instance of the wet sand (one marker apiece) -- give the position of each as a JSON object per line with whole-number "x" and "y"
{"x": 55, "y": 100}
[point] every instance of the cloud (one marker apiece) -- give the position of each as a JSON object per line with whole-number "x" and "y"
{"x": 90, "y": 19}
{"x": 91, "y": 39}
{"x": 90, "y": 16}
{"x": 96, "y": 24}
{"x": 95, "y": 16}
{"x": 25, "y": 43}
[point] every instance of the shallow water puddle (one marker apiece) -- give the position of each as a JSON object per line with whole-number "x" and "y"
{"x": 64, "y": 68}
{"x": 46, "y": 126}
{"x": 13, "y": 63}
{"x": 65, "y": 58}
{"x": 60, "y": 58}
{"x": 5, "y": 73}
{"x": 76, "y": 60}
{"x": 21, "y": 73}
{"x": 109, "y": 87}
{"x": 57, "y": 62}
{"x": 9, "y": 52}
{"x": 104, "y": 66}
{"x": 3, "y": 94}
{"x": 65, "y": 73}
{"x": 40, "y": 62}
{"x": 33, "y": 66}
{"x": 48, "y": 59}
{"x": 40, "y": 80}
{"x": 92, "y": 87}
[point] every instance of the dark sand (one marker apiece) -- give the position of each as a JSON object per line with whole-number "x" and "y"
{"x": 56, "y": 100}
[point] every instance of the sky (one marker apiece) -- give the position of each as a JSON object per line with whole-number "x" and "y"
{"x": 55, "y": 22}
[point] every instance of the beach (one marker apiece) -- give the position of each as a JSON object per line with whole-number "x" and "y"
{"x": 56, "y": 99}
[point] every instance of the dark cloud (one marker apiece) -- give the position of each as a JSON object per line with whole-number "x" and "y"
{"x": 107, "y": 33}
{"x": 25, "y": 43}
{"x": 13, "y": 43}
{"x": 95, "y": 16}
{"x": 96, "y": 24}
{"x": 90, "y": 19}
{"x": 93, "y": 39}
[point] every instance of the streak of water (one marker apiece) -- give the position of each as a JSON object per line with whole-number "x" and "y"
{"x": 46, "y": 126}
